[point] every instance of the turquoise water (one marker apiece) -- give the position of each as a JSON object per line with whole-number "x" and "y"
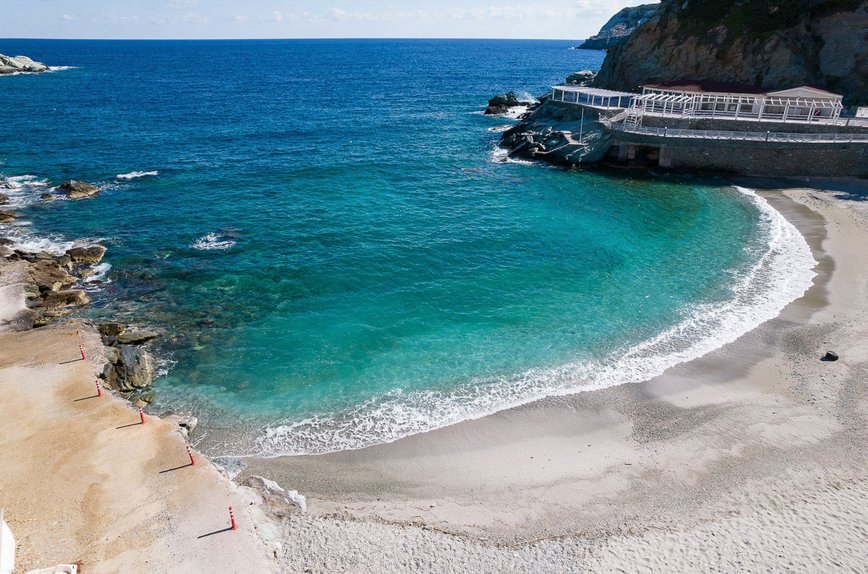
{"x": 338, "y": 258}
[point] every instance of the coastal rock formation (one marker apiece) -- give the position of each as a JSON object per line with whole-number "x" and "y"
{"x": 78, "y": 189}
{"x": 134, "y": 369}
{"x": 770, "y": 43}
{"x": 90, "y": 255}
{"x": 50, "y": 275}
{"x": 583, "y": 78}
{"x": 19, "y": 64}
{"x": 135, "y": 337}
{"x": 619, "y": 27}
{"x": 278, "y": 502}
{"x": 559, "y": 134}
{"x": 63, "y": 298}
{"x": 4, "y": 198}
{"x": 7, "y": 216}
{"x": 501, "y": 104}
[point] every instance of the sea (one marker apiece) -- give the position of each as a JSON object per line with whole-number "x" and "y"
{"x": 338, "y": 253}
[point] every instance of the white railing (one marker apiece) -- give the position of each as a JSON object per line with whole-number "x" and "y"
{"x": 766, "y": 116}
{"x": 767, "y": 136}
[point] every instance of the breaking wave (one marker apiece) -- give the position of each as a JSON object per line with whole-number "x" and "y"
{"x": 214, "y": 241}
{"x": 137, "y": 174}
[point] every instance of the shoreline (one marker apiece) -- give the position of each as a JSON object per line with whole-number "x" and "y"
{"x": 647, "y": 457}
{"x": 525, "y": 477}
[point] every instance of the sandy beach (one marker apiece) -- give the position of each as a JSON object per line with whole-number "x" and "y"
{"x": 751, "y": 458}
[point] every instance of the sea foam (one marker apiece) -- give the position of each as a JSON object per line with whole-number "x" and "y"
{"x": 137, "y": 174}
{"x": 782, "y": 273}
{"x": 213, "y": 241}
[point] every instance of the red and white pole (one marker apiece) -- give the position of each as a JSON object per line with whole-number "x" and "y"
{"x": 98, "y": 388}
{"x": 81, "y": 348}
{"x": 232, "y": 519}
{"x": 190, "y": 452}
{"x": 141, "y": 415}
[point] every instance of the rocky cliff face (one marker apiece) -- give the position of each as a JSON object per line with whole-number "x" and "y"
{"x": 619, "y": 27}
{"x": 771, "y": 43}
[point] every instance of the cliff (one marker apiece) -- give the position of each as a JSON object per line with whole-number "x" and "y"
{"x": 770, "y": 43}
{"x": 619, "y": 26}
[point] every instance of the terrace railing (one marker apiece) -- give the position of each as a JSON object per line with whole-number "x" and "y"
{"x": 767, "y": 136}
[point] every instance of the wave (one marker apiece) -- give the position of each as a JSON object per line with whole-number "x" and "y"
{"x": 99, "y": 274}
{"x": 501, "y": 155}
{"x": 498, "y": 129}
{"x": 61, "y": 68}
{"x": 24, "y": 190}
{"x": 137, "y": 174}
{"x": 213, "y": 241}
{"x": 782, "y": 273}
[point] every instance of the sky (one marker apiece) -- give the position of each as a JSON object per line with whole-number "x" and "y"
{"x": 555, "y": 19}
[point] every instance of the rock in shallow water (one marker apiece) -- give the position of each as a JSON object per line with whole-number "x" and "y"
{"x": 90, "y": 255}
{"x": 78, "y": 189}
{"x": 18, "y": 64}
{"x": 136, "y": 337}
{"x": 501, "y": 104}
{"x": 64, "y": 298}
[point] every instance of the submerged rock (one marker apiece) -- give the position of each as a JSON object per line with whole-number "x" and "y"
{"x": 78, "y": 189}
{"x": 90, "y": 255}
{"x": 48, "y": 197}
{"x": 4, "y": 198}
{"x": 7, "y": 216}
{"x": 501, "y": 104}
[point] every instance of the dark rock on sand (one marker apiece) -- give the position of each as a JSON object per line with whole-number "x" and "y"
{"x": 501, "y": 104}
{"x": 830, "y": 356}
{"x": 136, "y": 337}
{"x": 78, "y": 189}
{"x": 134, "y": 369}
{"x": 91, "y": 255}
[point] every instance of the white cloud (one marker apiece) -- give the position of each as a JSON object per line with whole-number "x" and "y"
{"x": 69, "y": 17}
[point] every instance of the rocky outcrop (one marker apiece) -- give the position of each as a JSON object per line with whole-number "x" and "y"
{"x": 75, "y": 189}
{"x": 619, "y": 27}
{"x": 4, "y": 198}
{"x": 134, "y": 369}
{"x": 775, "y": 44}
{"x": 89, "y": 255}
{"x": 136, "y": 337}
{"x": 559, "y": 134}
{"x": 502, "y": 103}
{"x": 278, "y": 502}
{"x": 53, "y": 300}
{"x": 20, "y": 64}
{"x": 583, "y": 78}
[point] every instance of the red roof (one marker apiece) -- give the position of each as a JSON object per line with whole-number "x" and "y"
{"x": 707, "y": 86}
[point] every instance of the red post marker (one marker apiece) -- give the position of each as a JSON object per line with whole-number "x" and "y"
{"x": 81, "y": 348}
{"x": 190, "y": 452}
{"x": 232, "y": 519}
{"x": 141, "y": 415}
{"x": 98, "y": 388}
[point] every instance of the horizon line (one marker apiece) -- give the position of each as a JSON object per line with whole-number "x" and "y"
{"x": 293, "y": 38}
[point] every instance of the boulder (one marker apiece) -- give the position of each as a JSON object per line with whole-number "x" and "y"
{"x": 583, "y": 78}
{"x": 501, "y": 104}
{"x": 49, "y": 275}
{"x": 91, "y": 255}
{"x": 830, "y": 356}
{"x": 110, "y": 329}
{"x": 7, "y": 216}
{"x": 64, "y": 298}
{"x": 48, "y": 196}
{"x": 19, "y": 64}
{"x": 278, "y": 501}
{"x": 136, "y": 337}
{"x": 4, "y": 198}
{"x": 6, "y": 185}
{"x": 78, "y": 189}
{"x": 135, "y": 368}
{"x": 112, "y": 355}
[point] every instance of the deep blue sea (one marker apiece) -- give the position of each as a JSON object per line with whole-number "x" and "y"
{"x": 338, "y": 254}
